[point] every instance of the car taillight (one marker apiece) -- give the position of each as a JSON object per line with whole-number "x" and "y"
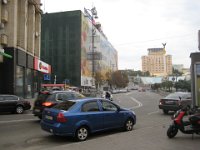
{"x": 47, "y": 104}
{"x": 161, "y": 102}
{"x": 61, "y": 118}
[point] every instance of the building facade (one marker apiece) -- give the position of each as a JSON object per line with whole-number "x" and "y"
{"x": 157, "y": 62}
{"x": 76, "y": 48}
{"x": 20, "y": 27}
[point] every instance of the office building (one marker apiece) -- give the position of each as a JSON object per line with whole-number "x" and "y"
{"x": 157, "y": 62}
{"x": 76, "y": 47}
{"x": 20, "y": 64}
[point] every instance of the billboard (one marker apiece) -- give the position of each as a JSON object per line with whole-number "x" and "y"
{"x": 41, "y": 66}
{"x": 103, "y": 57}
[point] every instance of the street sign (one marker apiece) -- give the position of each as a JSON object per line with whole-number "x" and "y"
{"x": 47, "y": 77}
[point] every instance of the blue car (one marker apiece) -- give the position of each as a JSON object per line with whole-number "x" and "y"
{"x": 79, "y": 118}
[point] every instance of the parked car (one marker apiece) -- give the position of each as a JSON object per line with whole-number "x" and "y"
{"x": 79, "y": 118}
{"x": 175, "y": 101}
{"x": 14, "y": 104}
{"x": 51, "y": 98}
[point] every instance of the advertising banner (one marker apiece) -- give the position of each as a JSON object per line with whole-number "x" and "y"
{"x": 41, "y": 66}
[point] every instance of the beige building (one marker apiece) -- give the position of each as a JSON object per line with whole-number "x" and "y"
{"x": 20, "y": 28}
{"x": 20, "y": 25}
{"x": 157, "y": 62}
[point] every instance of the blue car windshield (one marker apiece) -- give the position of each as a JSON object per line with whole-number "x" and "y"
{"x": 64, "y": 105}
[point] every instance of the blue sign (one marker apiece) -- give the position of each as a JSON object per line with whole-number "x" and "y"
{"x": 67, "y": 81}
{"x": 47, "y": 77}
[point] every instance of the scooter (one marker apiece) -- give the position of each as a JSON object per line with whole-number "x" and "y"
{"x": 190, "y": 126}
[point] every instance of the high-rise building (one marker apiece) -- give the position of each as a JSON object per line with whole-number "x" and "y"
{"x": 76, "y": 47}
{"x": 157, "y": 62}
{"x": 20, "y": 27}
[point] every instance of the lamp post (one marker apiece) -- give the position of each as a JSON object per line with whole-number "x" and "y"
{"x": 92, "y": 15}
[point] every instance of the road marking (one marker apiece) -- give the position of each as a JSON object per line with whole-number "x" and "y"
{"x": 22, "y": 120}
{"x": 139, "y": 104}
{"x": 153, "y": 112}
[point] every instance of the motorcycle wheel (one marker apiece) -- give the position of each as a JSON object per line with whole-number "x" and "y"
{"x": 172, "y": 131}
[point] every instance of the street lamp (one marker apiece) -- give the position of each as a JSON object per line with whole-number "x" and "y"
{"x": 92, "y": 15}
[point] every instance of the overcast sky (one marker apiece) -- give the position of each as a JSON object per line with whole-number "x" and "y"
{"x": 133, "y": 26}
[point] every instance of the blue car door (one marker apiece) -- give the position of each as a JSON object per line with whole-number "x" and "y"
{"x": 112, "y": 117}
{"x": 92, "y": 114}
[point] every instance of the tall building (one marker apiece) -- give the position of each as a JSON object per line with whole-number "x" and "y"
{"x": 76, "y": 48}
{"x": 157, "y": 62}
{"x": 20, "y": 65}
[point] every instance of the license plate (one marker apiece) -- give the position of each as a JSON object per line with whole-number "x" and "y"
{"x": 48, "y": 117}
{"x": 169, "y": 102}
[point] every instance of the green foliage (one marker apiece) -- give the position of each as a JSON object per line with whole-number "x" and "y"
{"x": 176, "y": 72}
{"x": 167, "y": 85}
{"x": 136, "y": 73}
{"x": 155, "y": 86}
{"x": 183, "y": 85}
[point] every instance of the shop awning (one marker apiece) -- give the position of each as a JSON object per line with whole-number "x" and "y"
{"x": 6, "y": 55}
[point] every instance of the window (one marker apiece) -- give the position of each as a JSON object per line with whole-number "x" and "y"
{"x": 90, "y": 107}
{"x": 64, "y": 105}
{"x": 107, "y": 106}
{"x": 77, "y": 95}
{"x": 10, "y": 98}
{"x": 186, "y": 96}
{"x": 64, "y": 96}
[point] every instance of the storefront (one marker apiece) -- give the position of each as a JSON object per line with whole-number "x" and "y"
{"x": 21, "y": 73}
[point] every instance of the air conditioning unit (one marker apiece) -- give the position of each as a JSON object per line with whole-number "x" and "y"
{"x": 4, "y": 16}
{"x": 4, "y": 39}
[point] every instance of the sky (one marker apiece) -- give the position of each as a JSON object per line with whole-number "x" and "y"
{"x": 133, "y": 26}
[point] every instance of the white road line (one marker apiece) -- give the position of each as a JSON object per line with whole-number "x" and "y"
{"x": 138, "y": 102}
{"x": 153, "y": 112}
{"x": 22, "y": 120}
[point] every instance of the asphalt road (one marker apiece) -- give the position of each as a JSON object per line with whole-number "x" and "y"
{"x": 22, "y": 132}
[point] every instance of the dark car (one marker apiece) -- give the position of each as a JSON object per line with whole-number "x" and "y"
{"x": 79, "y": 118}
{"x": 14, "y": 104}
{"x": 51, "y": 98}
{"x": 175, "y": 101}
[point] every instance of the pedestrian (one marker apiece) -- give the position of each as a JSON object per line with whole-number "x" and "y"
{"x": 108, "y": 95}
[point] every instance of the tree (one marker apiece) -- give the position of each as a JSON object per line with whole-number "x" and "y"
{"x": 98, "y": 79}
{"x": 155, "y": 86}
{"x": 183, "y": 85}
{"x": 120, "y": 79}
{"x": 176, "y": 72}
{"x": 167, "y": 85}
